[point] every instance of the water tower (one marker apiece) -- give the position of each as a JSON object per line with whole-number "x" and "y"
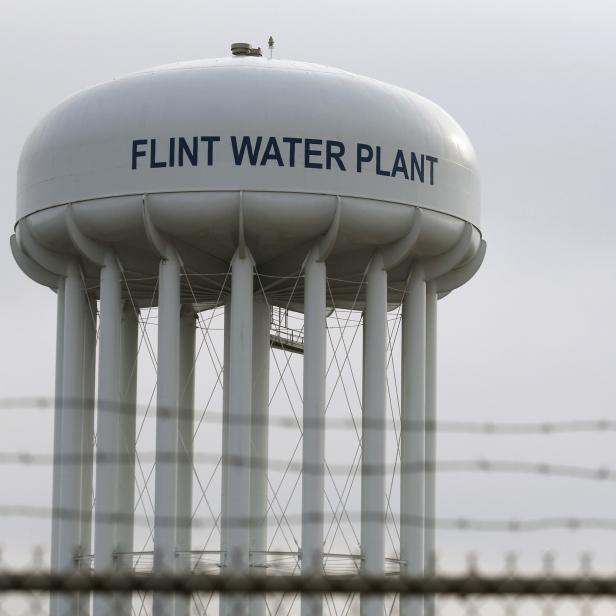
{"x": 259, "y": 168}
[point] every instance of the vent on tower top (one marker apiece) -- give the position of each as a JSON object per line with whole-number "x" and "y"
{"x": 245, "y": 49}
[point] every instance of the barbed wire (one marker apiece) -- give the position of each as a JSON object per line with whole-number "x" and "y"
{"x": 517, "y": 525}
{"x": 443, "y": 426}
{"x": 601, "y": 474}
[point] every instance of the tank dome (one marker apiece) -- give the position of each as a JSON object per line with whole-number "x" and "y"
{"x": 267, "y": 154}
{"x": 247, "y": 123}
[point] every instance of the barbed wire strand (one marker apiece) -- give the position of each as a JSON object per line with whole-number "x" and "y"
{"x": 544, "y": 469}
{"x": 443, "y": 426}
{"x": 516, "y": 525}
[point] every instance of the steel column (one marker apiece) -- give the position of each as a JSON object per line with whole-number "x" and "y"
{"x": 55, "y": 599}
{"x": 128, "y": 421}
{"x": 224, "y": 478}
{"x": 373, "y": 431}
{"x": 57, "y": 425}
{"x": 89, "y": 324}
{"x": 185, "y": 448}
{"x": 313, "y": 445}
{"x": 165, "y": 502}
{"x": 108, "y": 450}
{"x": 237, "y": 507}
{"x": 259, "y": 445}
{"x": 74, "y": 481}
{"x": 430, "y": 455}
{"x": 412, "y": 447}
{"x": 224, "y": 481}
{"x": 186, "y": 430}
{"x": 69, "y": 527}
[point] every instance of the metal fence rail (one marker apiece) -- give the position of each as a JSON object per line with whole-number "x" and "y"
{"x": 460, "y": 586}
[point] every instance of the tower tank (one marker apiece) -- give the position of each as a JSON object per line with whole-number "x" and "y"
{"x": 311, "y": 188}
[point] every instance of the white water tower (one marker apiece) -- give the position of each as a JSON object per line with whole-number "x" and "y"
{"x": 367, "y": 192}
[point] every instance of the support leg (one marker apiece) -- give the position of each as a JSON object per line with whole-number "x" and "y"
{"x": 412, "y": 436}
{"x": 165, "y": 504}
{"x": 259, "y": 445}
{"x": 128, "y": 426}
{"x": 224, "y": 480}
{"x": 109, "y": 467}
{"x": 87, "y": 439}
{"x": 75, "y": 440}
{"x": 431, "y": 394}
{"x": 54, "y": 608}
{"x": 313, "y": 446}
{"x": 72, "y": 410}
{"x": 373, "y": 432}
{"x": 185, "y": 448}
{"x": 237, "y": 507}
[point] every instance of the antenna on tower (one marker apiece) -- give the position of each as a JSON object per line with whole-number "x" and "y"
{"x": 270, "y": 44}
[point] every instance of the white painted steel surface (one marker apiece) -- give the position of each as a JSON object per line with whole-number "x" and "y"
{"x": 313, "y": 444}
{"x": 74, "y": 481}
{"x": 373, "y": 497}
{"x": 82, "y": 150}
{"x": 56, "y": 603}
{"x": 224, "y": 479}
{"x": 259, "y": 446}
{"x": 412, "y": 439}
{"x": 128, "y": 426}
{"x": 186, "y": 421}
{"x": 186, "y": 417}
{"x": 430, "y": 436}
{"x": 73, "y": 416}
{"x": 168, "y": 394}
{"x": 57, "y": 422}
{"x": 88, "y": 340}
{"x": 108, "y": 446}
{"x": 237, "y": 506}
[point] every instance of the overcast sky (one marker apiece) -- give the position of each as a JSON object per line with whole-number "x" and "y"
{"x": 532, "y": 337}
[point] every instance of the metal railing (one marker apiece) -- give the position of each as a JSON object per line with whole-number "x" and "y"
{"x": 282, "y": 336}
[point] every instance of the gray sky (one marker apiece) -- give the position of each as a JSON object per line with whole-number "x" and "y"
{"x": 533, "y": 337}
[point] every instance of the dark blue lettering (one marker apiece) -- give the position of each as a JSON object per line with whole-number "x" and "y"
{"x": 246, "y": 146}
{"x": 432, "y": 160}
{"x": 380, "y": 171}
{"x": 210, "y": 148}
{"x": 172, "y": 152}
{"x": 399, "y": 165}
{"x": 416, "y": 166}
{"x": 272, "y": 152}
{"x": 154, "y": 164}
{"x": 361, "y": 157}
{"x": 185, "y": 150}
{"x": 337, "y": 156}
{"x": 309, "y": 151}
{"x": 292, "y": 141}
{"x": 136, "y": 151}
